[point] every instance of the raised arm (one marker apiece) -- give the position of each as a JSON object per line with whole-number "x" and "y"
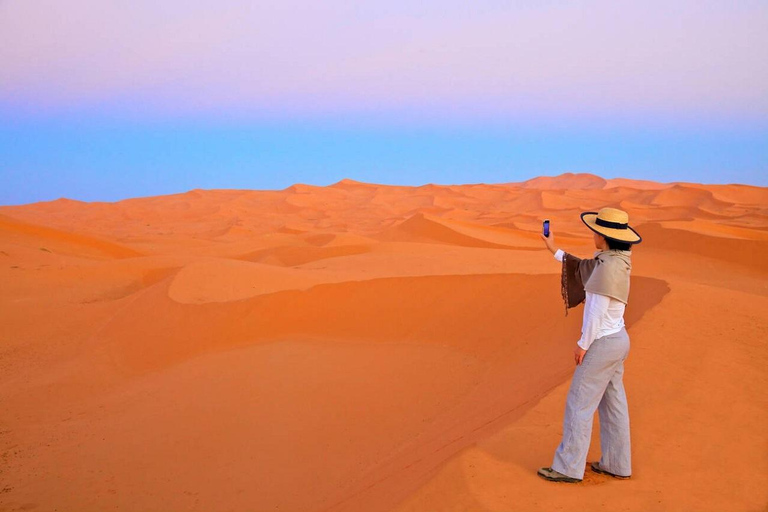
{"x": 550, "y": 242}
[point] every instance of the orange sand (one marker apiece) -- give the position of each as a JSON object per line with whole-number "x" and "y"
{"x": 366, "y": 348}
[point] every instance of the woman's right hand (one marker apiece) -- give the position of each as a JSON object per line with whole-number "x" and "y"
{"x": 549, "y": 242}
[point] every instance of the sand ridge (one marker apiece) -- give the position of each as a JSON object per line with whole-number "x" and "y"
{"x": 367, "y": 347}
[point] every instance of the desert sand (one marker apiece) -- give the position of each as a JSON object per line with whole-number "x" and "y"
{"x": 372, "y": 348}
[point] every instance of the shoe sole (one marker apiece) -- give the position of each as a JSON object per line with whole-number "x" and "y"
{"x": 560, "y": 480}
{"x": 607, "y": 473}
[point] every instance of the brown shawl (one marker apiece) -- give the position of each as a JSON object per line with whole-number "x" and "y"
{"x": 607, "y": 274}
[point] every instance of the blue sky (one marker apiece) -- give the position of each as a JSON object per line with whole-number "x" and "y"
{"x": 104, "y": 101}
{"x": 108, "y": 162}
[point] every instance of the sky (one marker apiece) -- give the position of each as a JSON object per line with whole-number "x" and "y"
{"x": 101, "y": 101}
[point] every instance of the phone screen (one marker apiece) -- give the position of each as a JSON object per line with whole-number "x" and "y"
{"x": 546, "y": 228}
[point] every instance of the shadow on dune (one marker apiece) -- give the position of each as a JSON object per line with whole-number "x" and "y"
{"x": 749, "y": 253}
{"x": 479, "y": 314}
{"x": 508, "y": 329}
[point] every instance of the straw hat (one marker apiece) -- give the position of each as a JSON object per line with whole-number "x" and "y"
{"x": 611, "y": 223}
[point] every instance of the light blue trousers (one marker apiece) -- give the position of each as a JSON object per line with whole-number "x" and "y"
{"x": 597, "y": 385}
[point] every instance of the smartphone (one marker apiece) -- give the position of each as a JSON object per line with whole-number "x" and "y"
{"x": 546, "y": 228}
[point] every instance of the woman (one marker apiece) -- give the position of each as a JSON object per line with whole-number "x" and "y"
{"x": 603, "y": 284}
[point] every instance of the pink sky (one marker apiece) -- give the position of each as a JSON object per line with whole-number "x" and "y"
{"x": 482, "y": 58}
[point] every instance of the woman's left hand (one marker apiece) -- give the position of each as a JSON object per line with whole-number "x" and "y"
{"x": 579, "y": 354}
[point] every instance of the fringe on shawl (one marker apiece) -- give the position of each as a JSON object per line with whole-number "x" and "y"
{"x": 564, "y": 284}
{"x": 575, "y": 272}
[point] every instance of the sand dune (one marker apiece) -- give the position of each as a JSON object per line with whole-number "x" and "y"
{"x": 363, "y": 348}
{"x": 715, "y": 229}
{"x": 680, "y": 195}
{"x": 298, "y": 254}
{"x": 62, "y": 241}
{"x": 425, "y": 228}
{"x": 635, "y": 184}
{"x": 567, "y": 181}
{"x": 224, "y": 280}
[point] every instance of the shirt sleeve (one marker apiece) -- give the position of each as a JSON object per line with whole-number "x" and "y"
{"x": 559, "y": 255}
{"x": 595, "y": 308}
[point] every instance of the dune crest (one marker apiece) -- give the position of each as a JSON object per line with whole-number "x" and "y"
{"x": 567, "y": 181}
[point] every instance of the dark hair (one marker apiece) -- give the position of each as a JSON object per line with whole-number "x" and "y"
{"x": 618, "y": 246}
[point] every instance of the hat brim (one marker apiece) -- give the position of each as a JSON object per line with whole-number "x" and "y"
{"x": 629, "y": 235}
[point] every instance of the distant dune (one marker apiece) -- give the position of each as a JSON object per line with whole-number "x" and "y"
{"x": 366, "y": 348}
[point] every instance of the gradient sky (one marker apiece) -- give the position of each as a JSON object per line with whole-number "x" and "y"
{"x": 108, "y": 100}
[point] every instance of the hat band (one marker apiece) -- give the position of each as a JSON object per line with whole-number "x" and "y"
{"x": 609, "y": 224}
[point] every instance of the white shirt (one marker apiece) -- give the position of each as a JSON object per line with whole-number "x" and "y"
{"x": 603, "y": 315}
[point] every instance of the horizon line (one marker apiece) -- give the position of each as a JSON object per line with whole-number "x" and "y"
{"x": 352, "y": 181}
